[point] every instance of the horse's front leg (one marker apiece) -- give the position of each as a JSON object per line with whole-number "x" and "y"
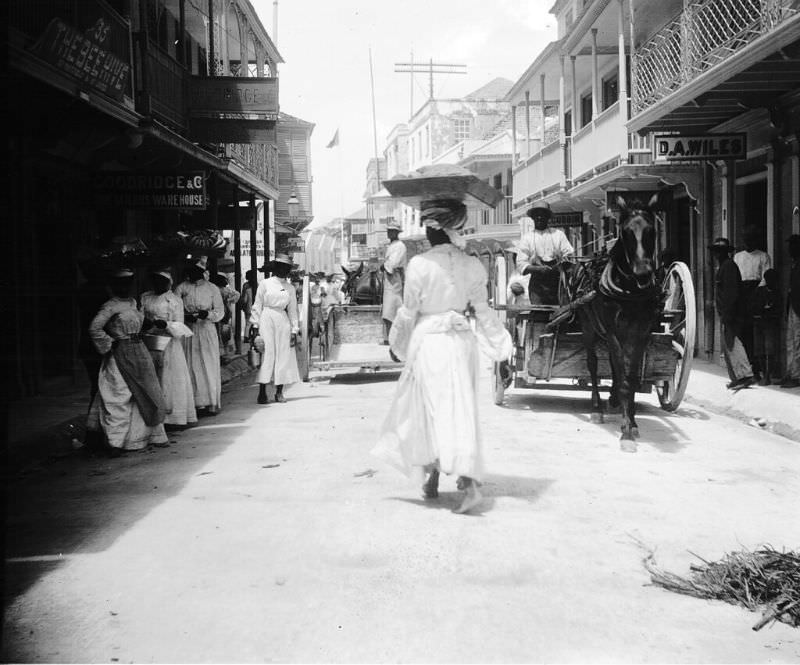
{"x": 591, "y": 364}
{"x": 624, "y": 387}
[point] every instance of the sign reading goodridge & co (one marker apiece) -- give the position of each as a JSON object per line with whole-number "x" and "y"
{"x": 675, "y": 148}
{"x": 209, "y": 96}
{"x": 174, "y": 191}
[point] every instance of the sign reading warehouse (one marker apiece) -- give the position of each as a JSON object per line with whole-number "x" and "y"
{"x": 173, "y": 191}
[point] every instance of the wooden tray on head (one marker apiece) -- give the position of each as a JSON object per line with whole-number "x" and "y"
{"x": 443, "y": 181}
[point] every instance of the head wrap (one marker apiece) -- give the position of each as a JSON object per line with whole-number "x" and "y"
{"x": 448, "y": 215}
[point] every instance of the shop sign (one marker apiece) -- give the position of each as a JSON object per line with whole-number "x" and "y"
{"x": 172, "y": 191}
{"x": 702, "y": 147}
{"x": 89, "y": 55}
{"x": 210, "y": 96}
{"x": 229, "y": 130}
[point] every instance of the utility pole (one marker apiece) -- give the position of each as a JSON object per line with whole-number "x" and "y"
{"x": 430, "y": 68}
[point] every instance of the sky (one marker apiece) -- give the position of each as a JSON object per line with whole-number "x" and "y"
{"x": 325, "y": 78}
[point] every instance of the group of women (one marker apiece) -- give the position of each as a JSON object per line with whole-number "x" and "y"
{"x": 159, "y": 358}
{"x": 160, "y": 354}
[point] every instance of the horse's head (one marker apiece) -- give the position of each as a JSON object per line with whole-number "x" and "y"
{"x": 350, "y": 279}
{"x": 636, "y": 246}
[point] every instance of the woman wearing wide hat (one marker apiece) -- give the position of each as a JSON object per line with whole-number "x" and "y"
{"x": 274, "y": 320}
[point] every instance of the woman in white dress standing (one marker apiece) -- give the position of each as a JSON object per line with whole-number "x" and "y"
{"x": 275, "y": 321}
{"x": 202, "y": 307}
{"x": 161, "y": 307}
{"x": 432, "y": 424}
{"x": 129, "y": 406}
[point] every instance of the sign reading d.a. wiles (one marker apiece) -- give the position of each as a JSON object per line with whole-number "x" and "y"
{"x": 675, "y": 148}
{"x": 172, "y": 191}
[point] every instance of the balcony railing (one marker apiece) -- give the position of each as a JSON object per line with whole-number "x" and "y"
{"x": 598, "y": 143}
{"x": 540, "y": 173}
{"x": 260, "y": 159}
{"x": 166, "y": 86}
{"x": 703, "y": 35}
{"x": 479, "y": 220}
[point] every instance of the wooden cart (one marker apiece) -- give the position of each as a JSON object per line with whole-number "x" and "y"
{"x": 541, "y": 356}
{"x": 351, "y": 337}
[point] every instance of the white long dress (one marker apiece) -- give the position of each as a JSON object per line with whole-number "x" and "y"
{"x": 394, "y": 265}
{"x": 202, "y": 349}
{"x": 434, "y": 414}
{"x": 114, "y": 409}
{"x": 275, "y": 313}
{"x": 175, "y": 379}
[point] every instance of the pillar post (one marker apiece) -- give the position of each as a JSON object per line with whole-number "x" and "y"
{"x": 595, "y": 80}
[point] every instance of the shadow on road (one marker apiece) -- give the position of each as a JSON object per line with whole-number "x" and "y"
{"x": 493, "y": 487}
{"x": 658, "y": 428}
{"x": 365, "y": 377}
{"x": 77, "y": 505}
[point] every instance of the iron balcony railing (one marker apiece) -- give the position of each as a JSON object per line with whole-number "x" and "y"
{"x": 703, "y": 35}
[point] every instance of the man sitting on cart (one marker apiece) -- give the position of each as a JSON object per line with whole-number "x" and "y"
{"x": 539, "y": 254}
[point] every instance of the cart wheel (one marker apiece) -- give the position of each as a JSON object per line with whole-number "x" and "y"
{"x": 304, "y": 348}
{"x": 680, "y": 320}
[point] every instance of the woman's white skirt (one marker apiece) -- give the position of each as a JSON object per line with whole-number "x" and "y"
{"x": 116, "y": 413}
{"x": 202, "y": 357}
{"x": 434, "y": 414}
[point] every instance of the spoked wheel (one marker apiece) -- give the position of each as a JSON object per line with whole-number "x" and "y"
{"x": 680, "y": 320}
{"x": 303, "y": 350}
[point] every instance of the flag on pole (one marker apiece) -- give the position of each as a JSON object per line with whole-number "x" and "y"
{"x": 334, "y": 141}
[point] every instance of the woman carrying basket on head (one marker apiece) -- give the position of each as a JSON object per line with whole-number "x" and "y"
{"x": 432, "y": 424}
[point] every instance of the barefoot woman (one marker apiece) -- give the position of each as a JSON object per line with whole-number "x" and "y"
{"x": 432, "y": 425}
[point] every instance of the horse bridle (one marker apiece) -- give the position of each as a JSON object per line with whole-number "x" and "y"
{"x": 610, "y": 288}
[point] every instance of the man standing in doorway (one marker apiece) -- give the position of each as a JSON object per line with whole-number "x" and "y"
{"x": 730, "y": 307}
{"x": 752, "y": 263}
{"x": 394, "y": 266}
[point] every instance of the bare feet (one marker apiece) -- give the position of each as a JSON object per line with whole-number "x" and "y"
{"x": 431, "y": 487}
{"x": 627, "y": 446}
{"x": 280, "y": 398}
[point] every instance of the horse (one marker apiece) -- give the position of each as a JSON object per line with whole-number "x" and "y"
{"x": 622, "y": 311}
{"x": 363, "y": 288}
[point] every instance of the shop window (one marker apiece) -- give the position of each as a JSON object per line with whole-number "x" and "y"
{"x": 586, "y": 109}
{"x": 359, "y": 239}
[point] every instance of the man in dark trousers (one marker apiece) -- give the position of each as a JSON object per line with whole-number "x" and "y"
{"x": 731, "y": 309}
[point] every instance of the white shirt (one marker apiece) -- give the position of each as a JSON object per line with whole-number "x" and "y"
{"x": 548, "y": 245}
{"x": 753, "y": 264}
{"x": 395, "y": 256}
